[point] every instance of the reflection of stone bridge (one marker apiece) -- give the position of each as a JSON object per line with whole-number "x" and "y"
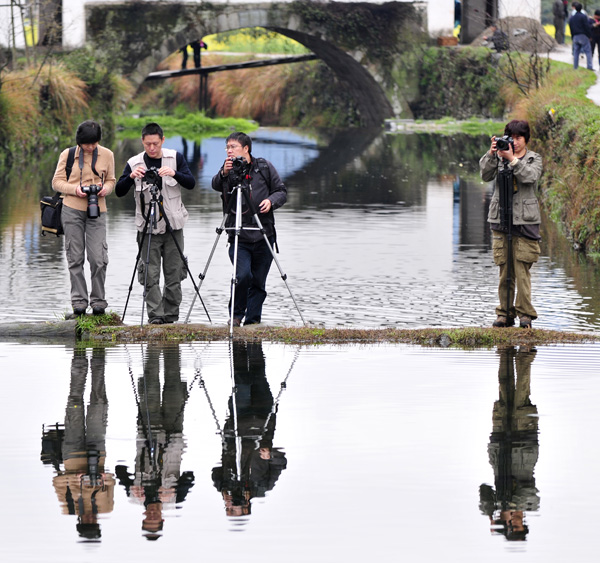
{"x": 358, "y": 41}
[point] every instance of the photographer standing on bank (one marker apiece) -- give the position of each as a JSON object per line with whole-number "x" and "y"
{"x": 268, "y": 192}
{"x": 166, "y": 170}
{"x": 85, "y": 185}
{"x": 526, "y": 168}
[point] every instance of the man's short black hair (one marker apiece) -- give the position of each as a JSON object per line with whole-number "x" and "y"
{"x": 152, "y": 129}
{"x": 578, "y": 6}
{"x": 242, "y": 139}
{"x": 88, "y": 132}
{"x": 518, "y": 127}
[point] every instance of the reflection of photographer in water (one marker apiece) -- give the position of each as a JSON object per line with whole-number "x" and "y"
{"x": 157, "y": 481}
{"x": 513, "y": 448}
{"x": 266, "y": 189}
{"x": 250, "y": 465}
{"x": 516, "y": 227}
{"x": 84, "y": 487}
{"x": 159, "y": 172}
{"x": 84, "y": 214}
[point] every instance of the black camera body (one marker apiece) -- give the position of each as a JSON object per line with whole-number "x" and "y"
{"x": 238, "y": 163}
{"x": 93, "y": 210}
{"x": 504, "y": 142}
{"x": 239, "y": 168}
{"x": 151, "y": 176}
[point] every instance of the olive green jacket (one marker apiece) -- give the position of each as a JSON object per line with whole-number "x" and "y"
{"x": 527, "y": 172}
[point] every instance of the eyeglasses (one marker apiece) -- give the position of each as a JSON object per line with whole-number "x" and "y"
{"x": 232, "y": 147}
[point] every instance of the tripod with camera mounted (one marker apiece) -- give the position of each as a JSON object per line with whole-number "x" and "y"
{"x": 238, "y": 193}
{"x": 156, "y": 212}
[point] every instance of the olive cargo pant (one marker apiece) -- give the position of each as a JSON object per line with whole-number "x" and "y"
{"x": 162, "y": 304}
{"x": 524, "y": 253}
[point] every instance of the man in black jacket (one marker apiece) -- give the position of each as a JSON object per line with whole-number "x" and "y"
{"x": 581, "y": 31}
{"x": 267, "y": 191}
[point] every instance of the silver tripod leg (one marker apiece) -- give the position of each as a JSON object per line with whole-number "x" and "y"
{"x": 238, "y": 228}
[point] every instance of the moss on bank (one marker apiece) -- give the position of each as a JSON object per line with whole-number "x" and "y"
{"x": 463, "y": 337}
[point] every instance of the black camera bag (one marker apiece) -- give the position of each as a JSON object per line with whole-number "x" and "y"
{"x": 51, "y": 206}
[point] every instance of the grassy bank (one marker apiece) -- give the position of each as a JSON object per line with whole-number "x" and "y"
{"x": 566, "y": 131}
{"x": 108, "y": 329}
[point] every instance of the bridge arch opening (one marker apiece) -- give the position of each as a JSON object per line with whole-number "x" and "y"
{"x": 351, "y": 85}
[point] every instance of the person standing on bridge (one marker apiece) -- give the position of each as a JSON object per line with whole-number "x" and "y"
{"x": 196, "y": 48}
{"x": 254, "y": 255}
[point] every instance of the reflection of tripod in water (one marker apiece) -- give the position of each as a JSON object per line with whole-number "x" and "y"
{"x": 156, "y": 212}
{"x": 240, "y": 191}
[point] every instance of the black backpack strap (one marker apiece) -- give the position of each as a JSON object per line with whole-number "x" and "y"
{"x": 70, "y": 161}
{"x": 261, "y": 164}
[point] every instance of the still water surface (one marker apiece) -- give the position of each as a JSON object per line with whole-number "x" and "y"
{"x": 365, "y": 452}
{"x": 378, "y": 453}
{"x": 379, "y": 230}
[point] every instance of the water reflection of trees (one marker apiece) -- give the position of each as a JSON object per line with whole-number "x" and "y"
{"x": 513, "y": 448}
{"x": 83, "y": 486}
{"x": 250, "y": 465}
{"x": 156, "y": 481}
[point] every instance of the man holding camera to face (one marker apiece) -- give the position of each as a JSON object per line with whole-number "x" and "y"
{"x": 267, "y": 192}
{"x": 515, "y": 243}
{"x": 85, "y": 174}
{"x": 158, "y": 174}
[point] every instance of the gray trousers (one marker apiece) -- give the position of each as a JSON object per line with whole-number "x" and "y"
{"x": 82, "y": 235}
{"x": 165, "y": 304}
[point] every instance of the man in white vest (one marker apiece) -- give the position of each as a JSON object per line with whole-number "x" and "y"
{"x": 159, "y": 173}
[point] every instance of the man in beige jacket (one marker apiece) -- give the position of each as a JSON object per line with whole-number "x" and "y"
{"x": 93, "y": 174}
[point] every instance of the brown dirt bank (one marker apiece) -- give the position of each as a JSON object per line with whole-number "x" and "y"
{"x": 469, "y": 337}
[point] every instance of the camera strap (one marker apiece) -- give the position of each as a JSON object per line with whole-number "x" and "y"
{"x": 94, "y": 160}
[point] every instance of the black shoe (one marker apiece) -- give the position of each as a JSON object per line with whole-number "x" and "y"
{"x": 157, "y": 321}
{"x": 237, "y": 322}
{"x": 248, "y": 323}
{"x": 98, "y": 311}
{"x": 77, "y": 312}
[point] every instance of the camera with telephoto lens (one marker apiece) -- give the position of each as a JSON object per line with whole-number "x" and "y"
{"x": 93, "y": 211}
{"x": 502, "y": 143}
{"x": 151, "y": 176}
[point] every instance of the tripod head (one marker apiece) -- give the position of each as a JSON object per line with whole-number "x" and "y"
{"x": 154, "y": 192}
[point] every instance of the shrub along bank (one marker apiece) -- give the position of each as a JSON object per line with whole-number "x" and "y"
{"x": 566, "y": 132}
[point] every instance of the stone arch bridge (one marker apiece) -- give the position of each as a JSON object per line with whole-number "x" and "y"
{"x": 360, "y": 42}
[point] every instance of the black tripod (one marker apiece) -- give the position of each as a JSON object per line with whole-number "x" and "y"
{"x": 241, "y": 191}
{"x": 505, "y": 185}
{"x": 152, "y": 218}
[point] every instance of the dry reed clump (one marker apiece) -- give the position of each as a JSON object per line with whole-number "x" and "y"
{"x": 34, "y": 98}
{"x": 20, "y": 108}
{"x": 253, "y": 93}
